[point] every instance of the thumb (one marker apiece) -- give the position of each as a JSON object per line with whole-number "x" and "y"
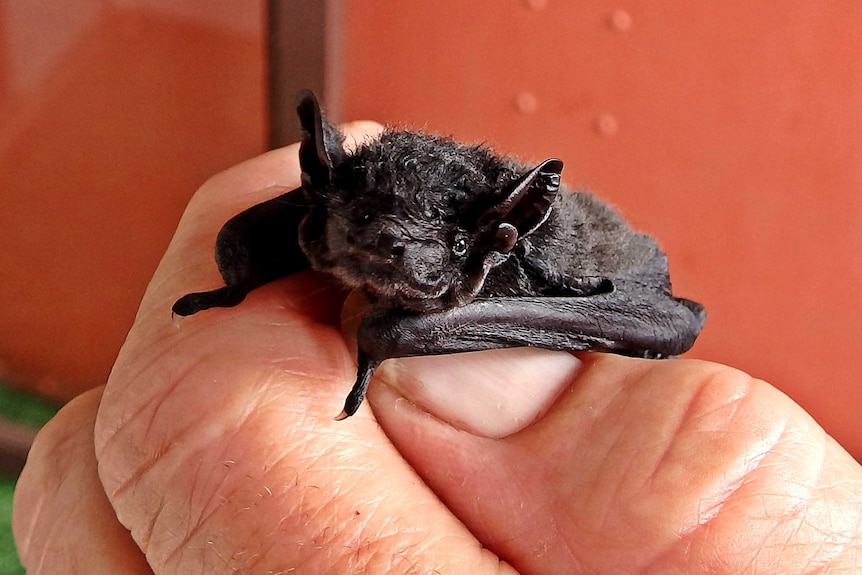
{"x": 619, "y": 464}
{"x": 459, "y": 420}
{"x": 488, "y": 394}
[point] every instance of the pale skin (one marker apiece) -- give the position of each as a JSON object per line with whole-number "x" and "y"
{"x": 213, "y": 449}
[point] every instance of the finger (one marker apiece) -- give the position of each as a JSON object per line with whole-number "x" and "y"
{"x": 492, "y": 393}
{"x": 216, "y": 441}
{"x": 674, "y": 466}
{"x": 62, "y": 520}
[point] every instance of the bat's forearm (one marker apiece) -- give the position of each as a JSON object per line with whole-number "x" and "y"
{"x": 646, "y": 325}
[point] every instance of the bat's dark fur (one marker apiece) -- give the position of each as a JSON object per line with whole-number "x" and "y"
{"x": 459, "y": 249}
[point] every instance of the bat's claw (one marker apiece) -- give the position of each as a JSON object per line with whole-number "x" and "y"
{"x": 357, "y": 393}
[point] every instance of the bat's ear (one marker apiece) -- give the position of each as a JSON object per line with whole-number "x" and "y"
{"x": 321, "y": 148}
{"x": 526, "y": 206}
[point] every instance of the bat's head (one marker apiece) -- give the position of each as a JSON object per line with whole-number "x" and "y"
{"x": 415, "y": 220}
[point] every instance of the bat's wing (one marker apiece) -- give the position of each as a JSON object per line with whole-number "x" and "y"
{"x": 261, "y": 244}
{"x": 253, "y": 248}
{"x": 642, "y": 324}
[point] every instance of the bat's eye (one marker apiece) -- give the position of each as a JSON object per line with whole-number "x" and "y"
{"x": 459, "y": 247}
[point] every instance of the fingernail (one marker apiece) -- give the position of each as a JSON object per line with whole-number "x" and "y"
{"x": 491, "y": 393}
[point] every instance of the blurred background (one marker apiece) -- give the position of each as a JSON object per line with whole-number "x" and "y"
{"x": 732, "y": 131}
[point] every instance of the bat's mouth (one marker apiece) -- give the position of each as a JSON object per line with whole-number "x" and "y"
{"x": 383, "y": 275}
{"x": 378, "y": 280}
{"x": 405, "y": 295}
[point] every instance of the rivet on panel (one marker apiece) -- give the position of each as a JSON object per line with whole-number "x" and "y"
{"x": 526, "y": 103}
{"x": 620, "y": 20}
{"x": 607, "y": 125}
{"x": 536, "y": 4}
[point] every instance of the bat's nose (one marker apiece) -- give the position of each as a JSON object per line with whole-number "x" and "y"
{"x": 387, "y": 244}
{"x": 379, "y": 243}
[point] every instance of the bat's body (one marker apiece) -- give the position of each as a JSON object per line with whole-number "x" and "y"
{"x": 458, "y": 249}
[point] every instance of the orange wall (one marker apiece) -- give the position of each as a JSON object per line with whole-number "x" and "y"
{"x": 730, "y": 130}
{"x": 111, "y": 115}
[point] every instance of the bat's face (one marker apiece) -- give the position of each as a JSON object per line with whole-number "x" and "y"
{"x": 399, "y": 219}
{"x": 391, "y": 259}
{"x": 371, "y": 239}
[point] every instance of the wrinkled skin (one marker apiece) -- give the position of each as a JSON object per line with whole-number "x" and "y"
{"x": 212, "y": 449}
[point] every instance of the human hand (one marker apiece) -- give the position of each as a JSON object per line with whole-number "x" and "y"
{"x": 213, "y": 449}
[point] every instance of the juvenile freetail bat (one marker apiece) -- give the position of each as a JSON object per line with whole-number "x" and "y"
{"x": 458, "y": 249}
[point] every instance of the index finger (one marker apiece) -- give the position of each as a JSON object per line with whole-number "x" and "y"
{"x": 216, "y": 443}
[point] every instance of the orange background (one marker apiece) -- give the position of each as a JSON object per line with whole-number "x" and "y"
{"x": 732, "y": 131}
{"x": 111, "y": 115}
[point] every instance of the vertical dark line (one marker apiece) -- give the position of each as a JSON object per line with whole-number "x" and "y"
{"x": 15, "y": 441}
{"x": 333, "y": 67}
{"x": 297, "y": 60}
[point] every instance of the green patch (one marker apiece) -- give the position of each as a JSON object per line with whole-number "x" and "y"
{"x": 24, "y": 409}
{"x": 21, "y": 407}
{"x": 9, "y": 563}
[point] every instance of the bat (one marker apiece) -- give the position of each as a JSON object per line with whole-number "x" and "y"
{"x": 458, "y": 249}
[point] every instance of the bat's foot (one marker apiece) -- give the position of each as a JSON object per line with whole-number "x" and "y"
{"x": 355, "y": 397}
{"x": 192, "y": 303}
{"x": 357, "y": 393}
